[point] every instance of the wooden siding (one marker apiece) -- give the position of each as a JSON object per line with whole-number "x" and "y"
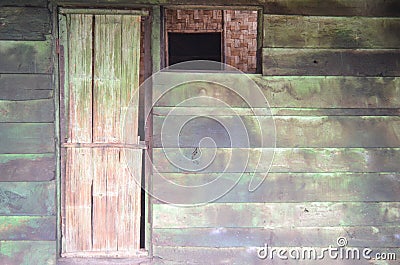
{"x": 331, "y": 80}
{"x": 27, "y": 135}
{"x": 358, "y": 194}
{"x": 28, "y": 252}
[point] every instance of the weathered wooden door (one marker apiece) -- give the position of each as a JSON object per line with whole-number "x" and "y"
{"x": 101, "y": 199}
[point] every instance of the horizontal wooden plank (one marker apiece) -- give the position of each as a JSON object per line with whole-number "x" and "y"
{"x": 215, "y": 111}
{"x": 28, "y": 252}
{"x": 248, "y": 255}
{"x": 279, "y": 188}
{"x": 24, "y": 3}
{"x": 379, "y": 237}
{"x": 311, "y": 214}
{"x": 34, "y": 26}
{"x": 26, "y": 57}
{"x": 28, "y": 228}
{"x": 25, "y": 87}
{"x": 258, "y": 131}
{"x": 301, "y": 160}
{"x": 27, "y": 111}
{"x": 323, "y": 62}
{"x": 27, "y": 167}
{"x": 330, "y": 32}
{"x": 27, "y": 198}
{"x": 330, "y": 92}
{"x": 374, "y": 8}
{"x": 187, "y": 3}
{"x": 300, "y": 7}
{"x": 26, "y": 138}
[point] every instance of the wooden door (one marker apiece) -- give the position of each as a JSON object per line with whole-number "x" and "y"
{"x": 101, "y": 196}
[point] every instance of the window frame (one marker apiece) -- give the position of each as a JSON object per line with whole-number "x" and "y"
{"x": 260, "y": 32}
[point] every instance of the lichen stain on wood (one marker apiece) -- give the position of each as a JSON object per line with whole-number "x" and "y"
{"x": 80, "y": 76}
{"x": 295, "y": 131}
{"x": 26, "y": 138}
{"x": 27, "y": 111}
{"x": 331, "y": 62}
{"x": 27, "y": 198}
{"x": 318, "y": 92}
{"x": 28, "y": 252}
{"x": 316, "y": 160}
{"x": 278, "y": 236}
{"x": 26, "y": 57}
{"x": 27, "y": 228}
{"x": 22, "y": 87}
{"x": 330, "y": 32}
{"x": 28, "y": 167}
{"x": 283, "y": 214}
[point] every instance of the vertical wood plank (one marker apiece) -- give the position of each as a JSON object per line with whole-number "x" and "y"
{"x": 130, "y": 75}
{"x": 129, "y": 192}
{"x": 99, "y": 203}
{"x": 78, "y": 200}
{"x": 79, "y": 174}
{"x": 107, "y": 79}
{"x": 129, "y": 200}
{"x": 80, "y": 77}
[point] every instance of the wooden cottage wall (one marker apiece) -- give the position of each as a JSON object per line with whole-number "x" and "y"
{"x": 27, "y": 145}
{"x": 343, "y": 182}
{"x": 330, "y": 73}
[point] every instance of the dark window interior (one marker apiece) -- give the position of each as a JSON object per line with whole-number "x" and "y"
{"x": 184, "y": 47}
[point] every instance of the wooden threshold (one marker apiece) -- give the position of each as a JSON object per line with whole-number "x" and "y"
{"x": 105, "y": 258}
{"x": 107, "y": 254}
{"x": 107, "y": 261}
